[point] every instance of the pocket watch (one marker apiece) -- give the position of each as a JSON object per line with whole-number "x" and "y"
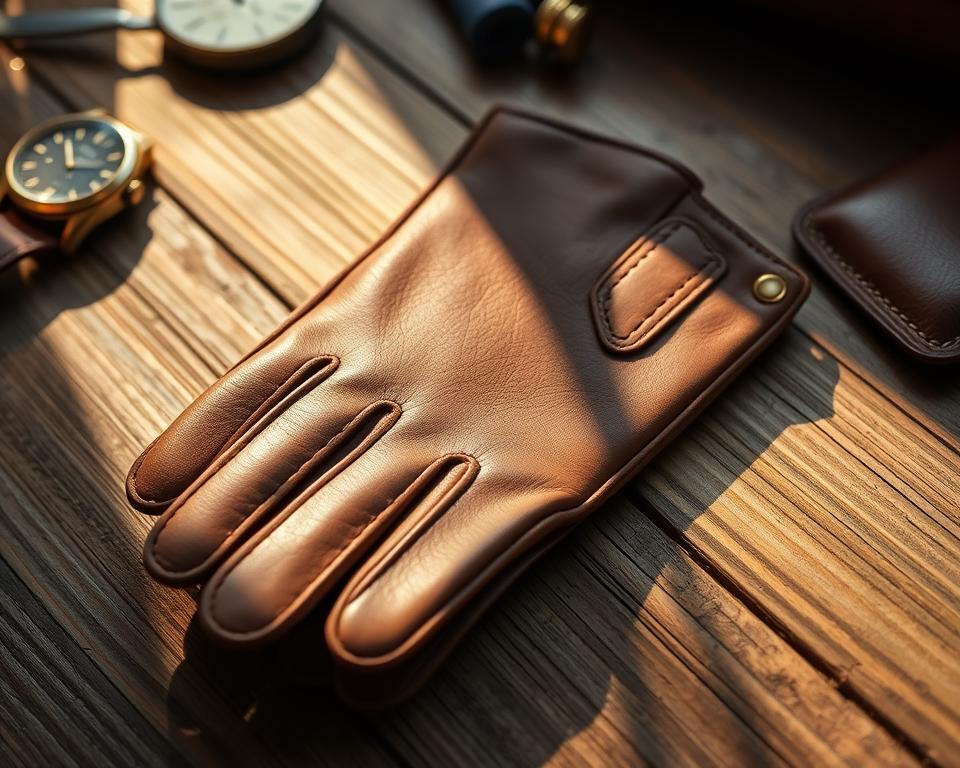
{"x": 216, "y": 34}
{"x": 65, "y": 177}
{"x": 237, "y": 34}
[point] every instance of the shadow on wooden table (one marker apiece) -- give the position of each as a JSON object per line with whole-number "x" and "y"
{"x": 43, "y": 288}
{"x": 616, "y": 648}
{"x": 213, "y": 90}
{"x": 63, "y": 525}
{"x": 143, "y": 55}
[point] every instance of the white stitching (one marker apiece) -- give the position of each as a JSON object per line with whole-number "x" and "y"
{"x": 872, "y": 289}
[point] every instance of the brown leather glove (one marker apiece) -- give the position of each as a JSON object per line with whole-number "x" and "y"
{"x": 551, "y": 312}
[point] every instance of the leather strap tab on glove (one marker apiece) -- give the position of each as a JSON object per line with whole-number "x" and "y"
{"x": 554, "y": 309}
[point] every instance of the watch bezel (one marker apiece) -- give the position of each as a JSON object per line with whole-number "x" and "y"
{"x": 244, "y": 57}
{"x": 22, "y": 198}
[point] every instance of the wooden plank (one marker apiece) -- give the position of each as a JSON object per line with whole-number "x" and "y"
{"x": 56, "y": 706}
{"x": 620, "y": 650}
{"x": 841, "y": 521}
{"x": 765, "y": 125}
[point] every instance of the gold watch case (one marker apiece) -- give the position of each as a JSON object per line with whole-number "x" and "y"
{"x": 82, "y": 216}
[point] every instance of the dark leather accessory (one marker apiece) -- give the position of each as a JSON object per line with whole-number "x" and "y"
{"x": 892, "y": 243}
{"x": 553, "y": 310}
{"x": 19, "y": 239}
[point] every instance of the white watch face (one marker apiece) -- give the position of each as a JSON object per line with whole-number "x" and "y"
{"x": 233, "y": 25}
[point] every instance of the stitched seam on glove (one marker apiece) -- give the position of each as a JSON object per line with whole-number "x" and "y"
{"x": 304, "y": 468}
{"x": 287, "y": 484}
{"x": 469, "y": 469}
{"x": 738, "y": 233}
{"x": 327, "y": 365}
{"x": 636, "y": 336}
{"x": 323, "y": 567}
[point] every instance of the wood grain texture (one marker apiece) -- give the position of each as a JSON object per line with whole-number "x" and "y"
{"x": 91, "y": 370}
{"x": 56, "y": 706}
{"x": 845, "y": 530}
{"x": 651, "y": 659}
{"x": 800, "y": 571}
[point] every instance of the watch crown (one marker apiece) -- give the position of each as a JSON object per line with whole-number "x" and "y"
{"x": 134, "y": 192}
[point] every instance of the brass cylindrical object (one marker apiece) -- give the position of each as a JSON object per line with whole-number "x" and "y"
{"x": 563, "y": 28}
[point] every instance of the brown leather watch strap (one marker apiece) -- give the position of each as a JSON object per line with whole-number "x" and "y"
{"x": 20, "y": 238}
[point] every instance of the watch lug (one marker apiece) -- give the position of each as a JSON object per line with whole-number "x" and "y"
{"x": 134, "y": 192}
{"x": 146, "y": 151}
{"x": 78, "y": 226}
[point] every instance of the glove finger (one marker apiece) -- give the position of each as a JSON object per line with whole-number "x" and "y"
{"x": 419, "y": 583}
{"x": 312, "y": 437}
{"x": 218, "y": 418}
{"x": 291, "y": 564}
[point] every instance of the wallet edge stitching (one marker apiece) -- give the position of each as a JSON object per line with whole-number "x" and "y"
{"x": 820, "y": 240}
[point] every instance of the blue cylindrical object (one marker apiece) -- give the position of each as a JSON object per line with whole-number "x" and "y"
{"x": 496, "y": 29}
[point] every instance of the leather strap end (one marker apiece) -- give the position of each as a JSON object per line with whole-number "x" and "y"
{"x": 20, "y": 238}
{"x": 659, "y": 276}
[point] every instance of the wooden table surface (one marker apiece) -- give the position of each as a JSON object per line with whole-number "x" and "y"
{"x": 781, "y": 586}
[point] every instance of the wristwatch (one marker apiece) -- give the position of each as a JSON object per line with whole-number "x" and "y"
{"x": 65, "y": 177}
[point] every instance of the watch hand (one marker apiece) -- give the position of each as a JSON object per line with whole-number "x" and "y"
{"x": 79, "y": 165}
{"x": 68, "y": 154}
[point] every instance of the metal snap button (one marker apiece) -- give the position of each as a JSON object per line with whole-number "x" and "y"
{"x": 769, "y": 288}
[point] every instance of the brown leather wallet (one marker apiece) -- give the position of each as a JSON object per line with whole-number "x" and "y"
{"x": 892, "y": 243}
{"x": 552, "y": 311}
